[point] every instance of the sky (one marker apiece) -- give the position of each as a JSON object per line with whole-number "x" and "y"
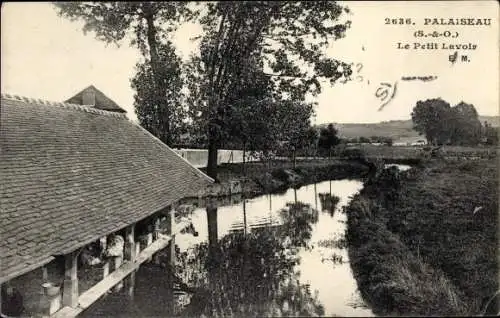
{"x": 48, "y": 57}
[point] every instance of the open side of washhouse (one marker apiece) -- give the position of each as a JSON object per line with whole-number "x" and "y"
{"x": 86, "y": 197}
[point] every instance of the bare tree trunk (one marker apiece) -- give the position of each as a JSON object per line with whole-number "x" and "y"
{"x": 244, "y": 154}
{"x": 212, "y": 159}
{"x": 160, "y": 90}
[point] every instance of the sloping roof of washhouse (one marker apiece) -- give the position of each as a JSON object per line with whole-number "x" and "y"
{"x": 71, "y": 174}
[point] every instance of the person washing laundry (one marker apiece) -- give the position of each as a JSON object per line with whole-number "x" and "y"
{"x": 12, "y": 302}
{"x": 115, "y": 246}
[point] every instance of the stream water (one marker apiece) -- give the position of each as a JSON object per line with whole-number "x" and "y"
{"x": 273, "y": 255}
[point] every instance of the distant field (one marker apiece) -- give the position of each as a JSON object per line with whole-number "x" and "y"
{"x": 396, "y": 129}
{"x": 407, "y": 152}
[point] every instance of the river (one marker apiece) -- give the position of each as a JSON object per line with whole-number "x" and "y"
{"x": 272, "y": 255}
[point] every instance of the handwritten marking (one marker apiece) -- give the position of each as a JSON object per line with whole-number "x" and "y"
{"x": 419, "y": 78}
{"x": 383, "y": 93}
{"x": 359, "y": 66}
{"x": 453, "y": 57}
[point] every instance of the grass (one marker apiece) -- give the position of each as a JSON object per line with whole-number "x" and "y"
{"x": 417, "y": 248}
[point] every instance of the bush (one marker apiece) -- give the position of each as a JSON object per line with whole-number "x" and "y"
{"x": 352, "y": 153}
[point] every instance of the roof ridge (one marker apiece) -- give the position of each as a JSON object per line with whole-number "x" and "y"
{"x": 85, "y": 108}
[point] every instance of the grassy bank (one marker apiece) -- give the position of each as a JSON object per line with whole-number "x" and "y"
{"x": 416, "y": 245}
{"x": 261, "y": 178}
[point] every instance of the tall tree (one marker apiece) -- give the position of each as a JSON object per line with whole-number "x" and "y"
{"x": 291, "y": 125}
{"x": 147, "y": 25}
{"x": 281, "y": 36}
{"x": 328, "y": 139}
{"x": 432, "y": 119}
{"x": 151, "y": 115}
{"x": 466, "y": 126}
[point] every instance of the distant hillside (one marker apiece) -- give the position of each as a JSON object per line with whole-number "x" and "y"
{"x": 396, "y": 129}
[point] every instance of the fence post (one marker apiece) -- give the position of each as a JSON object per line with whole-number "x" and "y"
{"x": 70, "y": 291}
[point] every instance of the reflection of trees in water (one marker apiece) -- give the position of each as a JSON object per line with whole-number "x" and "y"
{"x": 253, "y": 274}
{"x": 298, "y": 219}
{"x": 328, "y": 202}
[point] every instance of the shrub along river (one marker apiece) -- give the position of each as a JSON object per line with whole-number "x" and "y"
{"x": 273, "y": 255}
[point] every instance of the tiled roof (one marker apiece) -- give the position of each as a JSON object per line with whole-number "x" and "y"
{"x": 71, "y": 174}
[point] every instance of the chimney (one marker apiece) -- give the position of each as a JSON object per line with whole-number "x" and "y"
{"x": 88, "y": 97}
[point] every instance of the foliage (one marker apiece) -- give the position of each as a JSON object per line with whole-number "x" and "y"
{"x": 291, "y": 126}
{"x": 364, "y": 140}
{"x": 442, "y": 124}
{"x": 328, "y": 139}
{"x": 466, "y": 127}
{"x": 151, "y": 115}
{"x": 247, "y": 36}
{"x": 352, "y": 153}
{"x": 147, "y": 25}
{"x": 432, "y": 119}
{"x": 490, "y": 134}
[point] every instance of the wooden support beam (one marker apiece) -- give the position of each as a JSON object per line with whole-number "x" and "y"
{"x": 133, "y": 249}
{"x": 130, "y": 248}
{"x": 105, "y": 266}
{"x": 156, "y": 235}
{"x": 45, "y": 274}
{"x": 70, "y": 291}
{"x": 170, "y": 231}
{"x": 117, "y": 264}
{"x": 137, "y": 248}
{"x": 156, "y": 228}
{"x": 149, "y": 239}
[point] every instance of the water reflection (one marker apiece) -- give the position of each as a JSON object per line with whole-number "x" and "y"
{"x": 253, "y": 274}
{"x": 328, "y": 202}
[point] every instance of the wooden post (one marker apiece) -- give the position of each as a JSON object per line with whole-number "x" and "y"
{"x": 170, "y": 231}
{"x": 156, "y": 228}
{"x": 131, "y": 247}
{"x": 45, "y": 274}
{"x": 105, "y": 267}
{"x": 137, "y": 248}
{"x": 149, "y": 239}
{"x": 130, "y": 243}
{"x": 169, "y": 299}
{"x": 117, "y": 263}
{"x": 70, "y": 292}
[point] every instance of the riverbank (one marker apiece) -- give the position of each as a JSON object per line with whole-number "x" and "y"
{"x": 424, "y": 242}
{"x": 257, "y": 178}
